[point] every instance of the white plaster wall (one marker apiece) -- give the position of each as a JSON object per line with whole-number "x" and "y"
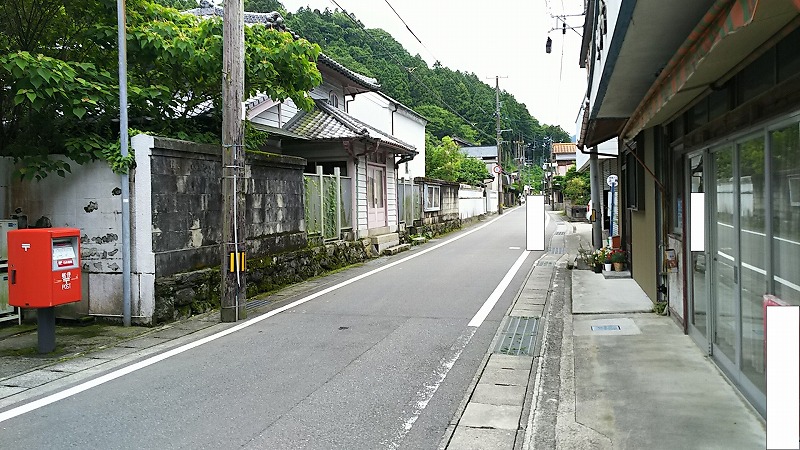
{"x": 374, "y": 109}
{"x": 411, "y": 131}
{"x": 89, "y": 199}
{"x": 471, "y": 202}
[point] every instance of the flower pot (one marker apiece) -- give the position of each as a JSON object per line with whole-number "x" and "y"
{"x": 598, "y": 268}
{"x": 619, "y": 267}
{"x": 607, "y": 267}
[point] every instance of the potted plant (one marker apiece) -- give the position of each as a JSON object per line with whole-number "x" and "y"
{"x": 599, "y": 259}
{"x": 618, "y": 259}
{"x": 607, "y": 261}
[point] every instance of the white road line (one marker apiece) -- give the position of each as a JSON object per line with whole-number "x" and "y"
{"x": 424, "y": 395}
{"x": 44, "y": 401}
{"x": 480, "y": 316}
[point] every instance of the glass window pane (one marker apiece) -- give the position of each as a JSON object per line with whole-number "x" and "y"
{"x": 699, "y": 295}
{"x": 723, "y": 248}
{"x": 753, "y": 244}
{"x": 785, "y": 160}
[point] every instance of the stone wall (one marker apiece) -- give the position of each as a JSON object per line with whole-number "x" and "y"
{"x": 186, "y": 215}
{"x": 187, "y": 205}
{"x": 447, "y": 218}
{"x": 181, "y": 295}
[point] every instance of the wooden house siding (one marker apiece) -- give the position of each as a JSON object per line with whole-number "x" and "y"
{"x": 391, "y": 195}
{"x": 361, "y": 192}
{"x": 324, "y": 90}
{"x": 278, "y": 115}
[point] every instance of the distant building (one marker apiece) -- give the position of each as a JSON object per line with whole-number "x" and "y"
{"x": 563, "y": 156}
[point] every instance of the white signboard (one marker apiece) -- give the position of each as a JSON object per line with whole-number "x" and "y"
{"x": 534, "y": 223}
{"x": 697, "y": 222}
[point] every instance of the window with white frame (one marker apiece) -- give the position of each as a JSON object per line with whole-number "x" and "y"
{"x": 433, "y": 197}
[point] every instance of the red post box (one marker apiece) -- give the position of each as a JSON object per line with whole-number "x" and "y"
{"x": 44, "y": 267}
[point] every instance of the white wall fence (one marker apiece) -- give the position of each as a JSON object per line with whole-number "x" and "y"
{"x": 471, "y": 202}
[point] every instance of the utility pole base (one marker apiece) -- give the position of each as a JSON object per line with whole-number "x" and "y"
{"x": 228, "y": 314}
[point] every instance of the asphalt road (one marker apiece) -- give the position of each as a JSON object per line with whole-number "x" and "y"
{"x": 382, "y": 362}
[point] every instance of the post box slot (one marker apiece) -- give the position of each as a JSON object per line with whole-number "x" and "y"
{"x": 64, "y": 256}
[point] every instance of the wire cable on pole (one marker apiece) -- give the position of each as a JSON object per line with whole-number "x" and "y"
{"x": 411, "y": 74}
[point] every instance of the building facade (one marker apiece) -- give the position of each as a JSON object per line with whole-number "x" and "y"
{"x": 704, "y": 98}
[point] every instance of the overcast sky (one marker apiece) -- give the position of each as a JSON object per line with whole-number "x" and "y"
{"x": 507, "y": 39}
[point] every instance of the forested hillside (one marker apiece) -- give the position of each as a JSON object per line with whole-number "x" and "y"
{"x": 438, "y": 93}
{"x": 456, "y": 103}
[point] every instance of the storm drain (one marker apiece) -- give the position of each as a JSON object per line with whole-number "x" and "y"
{"x": 545, "y": 264}
{"x": 253, "y": 304}
{"x": 517, "y": 336}
{"x": 605, "y": 328}
{"x": 557, "y": 250}
{"x": 559, "y": 233}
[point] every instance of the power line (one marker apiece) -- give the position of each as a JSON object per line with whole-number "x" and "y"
{"x": 425, "y": 46}
{"x": 411, "y": 74}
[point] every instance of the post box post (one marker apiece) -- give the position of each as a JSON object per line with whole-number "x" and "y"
{"x": 44, "y": 271}
{"x": 46, "y": 329}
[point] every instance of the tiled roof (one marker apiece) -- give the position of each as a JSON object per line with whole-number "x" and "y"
{"x": 368, "y": 82}
{"x": 480, "y": 152}
{"x": 328, "y": 123}
{"x": 564, "y": 147}
{"x": 275, "y": 20}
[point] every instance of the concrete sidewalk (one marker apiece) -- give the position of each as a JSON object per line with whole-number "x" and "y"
{"x": 623, "y": 377}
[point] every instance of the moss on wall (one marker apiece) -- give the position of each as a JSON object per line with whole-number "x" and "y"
{"x": 182, "y": 295}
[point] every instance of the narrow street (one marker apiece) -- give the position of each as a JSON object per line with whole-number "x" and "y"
{"x": 382, "y": 359}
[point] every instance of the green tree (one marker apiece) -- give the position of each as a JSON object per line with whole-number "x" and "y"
{"x": 58, "y": 65}
{"x": 180, "y": 5}
{"x": 473, "y": 171}
{"x": 577, "y": 186}
{"x": 444, "y": 161}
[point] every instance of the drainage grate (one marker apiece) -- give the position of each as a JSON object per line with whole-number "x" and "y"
{"x": 517, "y": 336}
{"x": 559, "y": 233}
{"x": 557, "y": 250}
{"x": 605, "y": 328}
{"x": 545, "y": 264}
{"x": 253, "y": 304}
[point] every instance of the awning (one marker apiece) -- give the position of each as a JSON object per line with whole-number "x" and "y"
{"x": 723, "y": 19}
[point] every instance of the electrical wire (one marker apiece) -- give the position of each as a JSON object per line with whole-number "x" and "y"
{"x": 449, "y": 72}
{"x": 411, "y": 74}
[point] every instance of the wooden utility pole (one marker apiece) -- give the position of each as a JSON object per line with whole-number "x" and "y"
{"x": 499, "y": 145}
{"x": 232, "y": 289}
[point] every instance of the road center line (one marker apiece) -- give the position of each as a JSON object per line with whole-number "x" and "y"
{"x": 480, "y": 316}
{"x": 77, "y": 389}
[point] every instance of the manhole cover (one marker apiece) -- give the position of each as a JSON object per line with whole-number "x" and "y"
{"x": 517, "y": 336}
{"x": 605, "y": 328}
